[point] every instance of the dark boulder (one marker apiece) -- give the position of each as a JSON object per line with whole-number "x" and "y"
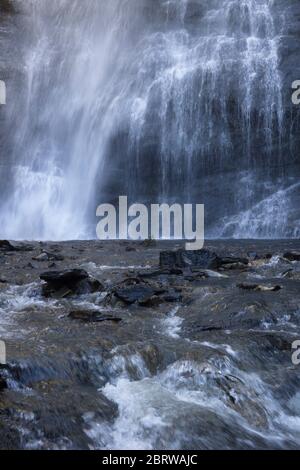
{"x": 67, "y": 277}
{"x": 6, "y": 246}
{"x": 292, "y": 256}
{"x": 199, "y": 259}
{"x": 147, "y": 295}
{"x": 3, "y": 384}
{"x": 202, "y": 259}
{"x": 138, "y": 293}
{"x": 69, "y": 282}
{"x": 151, "y": 302}
{"x": 259, "y": 288}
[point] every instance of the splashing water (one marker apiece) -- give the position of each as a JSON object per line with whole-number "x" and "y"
{"x": 130, "y": 96}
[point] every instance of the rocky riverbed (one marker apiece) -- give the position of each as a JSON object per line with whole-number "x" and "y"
{"x": 145, "y": 346}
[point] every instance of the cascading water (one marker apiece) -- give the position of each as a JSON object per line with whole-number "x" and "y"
{"x": 213, "y": 370}
{"x": 177, "y": 100}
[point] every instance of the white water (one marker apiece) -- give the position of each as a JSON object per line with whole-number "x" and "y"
{"x": 170, "y": 392}
{"x": 95, "y": 71}
{"x": 172, "y": 410}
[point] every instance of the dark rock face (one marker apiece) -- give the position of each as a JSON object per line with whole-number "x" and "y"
{"x": 233, "y": 179}
{"x": 7, "y": 6}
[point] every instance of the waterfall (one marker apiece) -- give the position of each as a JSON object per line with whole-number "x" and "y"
{"x": 72, "y": 50}
{"x": 149, "y": 100}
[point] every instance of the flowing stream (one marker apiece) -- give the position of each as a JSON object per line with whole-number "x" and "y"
{"x": 213, "y": 370}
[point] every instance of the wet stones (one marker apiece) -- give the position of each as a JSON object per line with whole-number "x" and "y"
{"x": 3, "y": 384}
{"x": 133, "y": 294}
{"x": 160, "y": 272}
{"x": 130, "y": 249}
{"x": 6, "y": 246}
{"x": 252, "y": 255}
{"x": 291, "y": 274}
{"x": 45, "y": 256}
{"x": 292, "y": 255}
{"x": 200, "y": 259}
{"x": 234, "y": 263}
{"x": 59, "y": 284}
{"x": 137, "y": 291}
{"x": 93, "y": 316}
{"x": 259, "y": 288}
{"x": 143, "y": 295}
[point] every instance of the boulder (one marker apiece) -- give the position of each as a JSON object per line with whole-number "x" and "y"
{"x": 69, "y": 282}
{"x": 259, "y": 288}
{"x": 6, "y": 246}
{"x": 138, "y": 293}
{"x": 292, "y": 256}
{"x": 3, "y": 384}
{"x": 202, "y": 259}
